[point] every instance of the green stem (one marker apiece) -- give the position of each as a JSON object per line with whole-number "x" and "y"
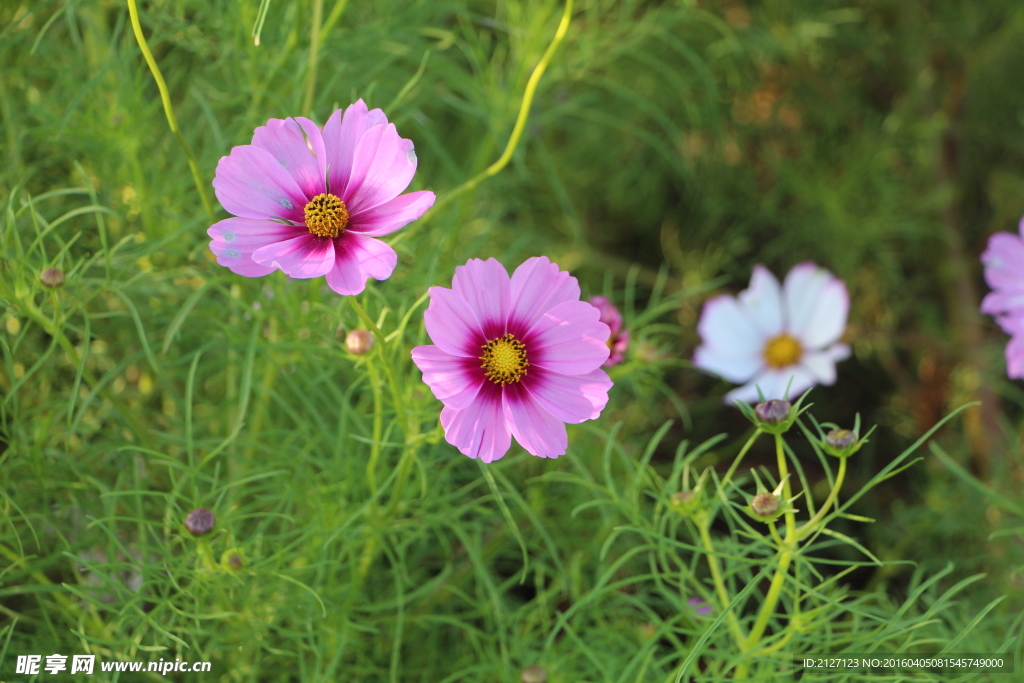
{"x": 378, "y": 425}
{"x": 165, "y": 98}
{"x": 716, "y": 576}
{"x": 807, "y": 529}
{"x": 739, "y": 458}
{"x": 785, "y": 556}
{"x": 517, "y": 129}
{"x": 314, "y": 55}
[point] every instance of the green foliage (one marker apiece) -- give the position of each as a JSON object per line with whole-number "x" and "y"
{"x": 669, "y": 144}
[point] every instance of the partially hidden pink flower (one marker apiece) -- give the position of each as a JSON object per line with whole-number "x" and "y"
{"x": 773, "y": 337}
{"x": 699, "y": 606}
{"x": 312, "y": 202}
{"x": 517, "y": 356}
{"x": 1004, "y": 273}
{"x": 618, "y": 342}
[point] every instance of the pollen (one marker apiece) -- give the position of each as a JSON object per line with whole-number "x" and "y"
{"x": 782, "y": 351}
{"x": 326, "y": 215}
{"x": 504, "y": 360}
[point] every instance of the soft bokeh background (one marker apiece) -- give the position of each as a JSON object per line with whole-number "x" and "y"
{"x": 671, "y": 146}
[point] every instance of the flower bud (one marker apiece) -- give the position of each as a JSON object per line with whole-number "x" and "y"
{"x": 764, "y": 504}
{"x": 232, "y": 560}
{"x": 51, "y": 277}
{"x": 534, "y": 674}
{"x": 840, "y": 439}
{"x": 773, "y": 412}
{"x": 200, "y": 521}
{"x": 685, "y": 502}
{"x": 358, "y": 342}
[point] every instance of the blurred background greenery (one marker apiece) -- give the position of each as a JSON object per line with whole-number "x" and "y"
{"x": 671, "y": 146}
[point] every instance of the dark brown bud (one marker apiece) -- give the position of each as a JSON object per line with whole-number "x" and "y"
{"x": 51, "y": 277}
{"x": 200, "y": 522}
{"x": 764, "y": 504}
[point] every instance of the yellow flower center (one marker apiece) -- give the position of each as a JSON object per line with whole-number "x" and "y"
{"x": 326, "y": 215}
{"x": 504, "y": 360}
{"x": 782, "y": 351}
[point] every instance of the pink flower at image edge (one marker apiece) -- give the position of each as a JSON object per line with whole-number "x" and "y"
{"x": 1004, "y": 273}
{"x": 311, "y": 202}
{"x": 618, "y": 342}
{"x": 517, "y": 356}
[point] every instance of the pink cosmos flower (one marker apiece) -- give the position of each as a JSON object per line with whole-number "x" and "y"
{"x": 618, "y": 342}
{"x": 770, "y": 336}
{"x": 311, "y": 202}
{"x": 513, "y": 356}
{"x": 1004, "y": 273}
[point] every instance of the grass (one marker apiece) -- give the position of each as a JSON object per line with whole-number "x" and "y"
{"x": 669, "y": 148}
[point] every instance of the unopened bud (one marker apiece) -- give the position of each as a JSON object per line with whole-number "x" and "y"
{"x": 51, "y": 277}
{"x": 840, "y": 438}
{"x": 200, "y": 521}
{"x": 773, "y": 412}
{"x": 232, "y": 560}
{"x": 358, "y": 342}
{"x": 764, "y": 504}
{"x": 534, "y": 674}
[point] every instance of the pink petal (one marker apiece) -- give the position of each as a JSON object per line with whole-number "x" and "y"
{"x": 537, "y": 286}
{"x": 452, "y": 324}
{"x": 235, "y": 240}
{"x": 478, "y": 430}
{"x": 610, "y": 315}
{"x": 1003, "y": 301}
{"x": 251, "y": 183}
{"x": 390, "y": 216}
{"x": 762, "y": 302}
{"x": 341, "y": 138}
{"x": 538, "y": 431}
{"x": 1015, "y": 357}
{"x": 570, "y": 399}
{"x": 1004, "y": 262}
{"x": 301, "y": 257}
{"x": 817, "y": 303}
{"x": 569, "y": 339}
{"x": 383, "y": 167}
{"x": 484, "y": 285}
{"x": 286, "y": 141}
{"x": 357, "y": 258}
{"x": 454, "y": 380}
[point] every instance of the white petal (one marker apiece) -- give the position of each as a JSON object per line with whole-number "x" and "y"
{"x": 773, "y": 384}
{"x": 725, "y": 327}
{"x": 817, "y": 304}
{"x": 762, "y": 302}
{"x": 734, "y": 368}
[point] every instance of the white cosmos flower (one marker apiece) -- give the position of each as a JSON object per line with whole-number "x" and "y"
{"x": 769, "y": 336}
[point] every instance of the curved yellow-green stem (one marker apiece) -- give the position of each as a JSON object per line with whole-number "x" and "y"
{"x": 517, "y": 129}
{"x": 165, "y": 98}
